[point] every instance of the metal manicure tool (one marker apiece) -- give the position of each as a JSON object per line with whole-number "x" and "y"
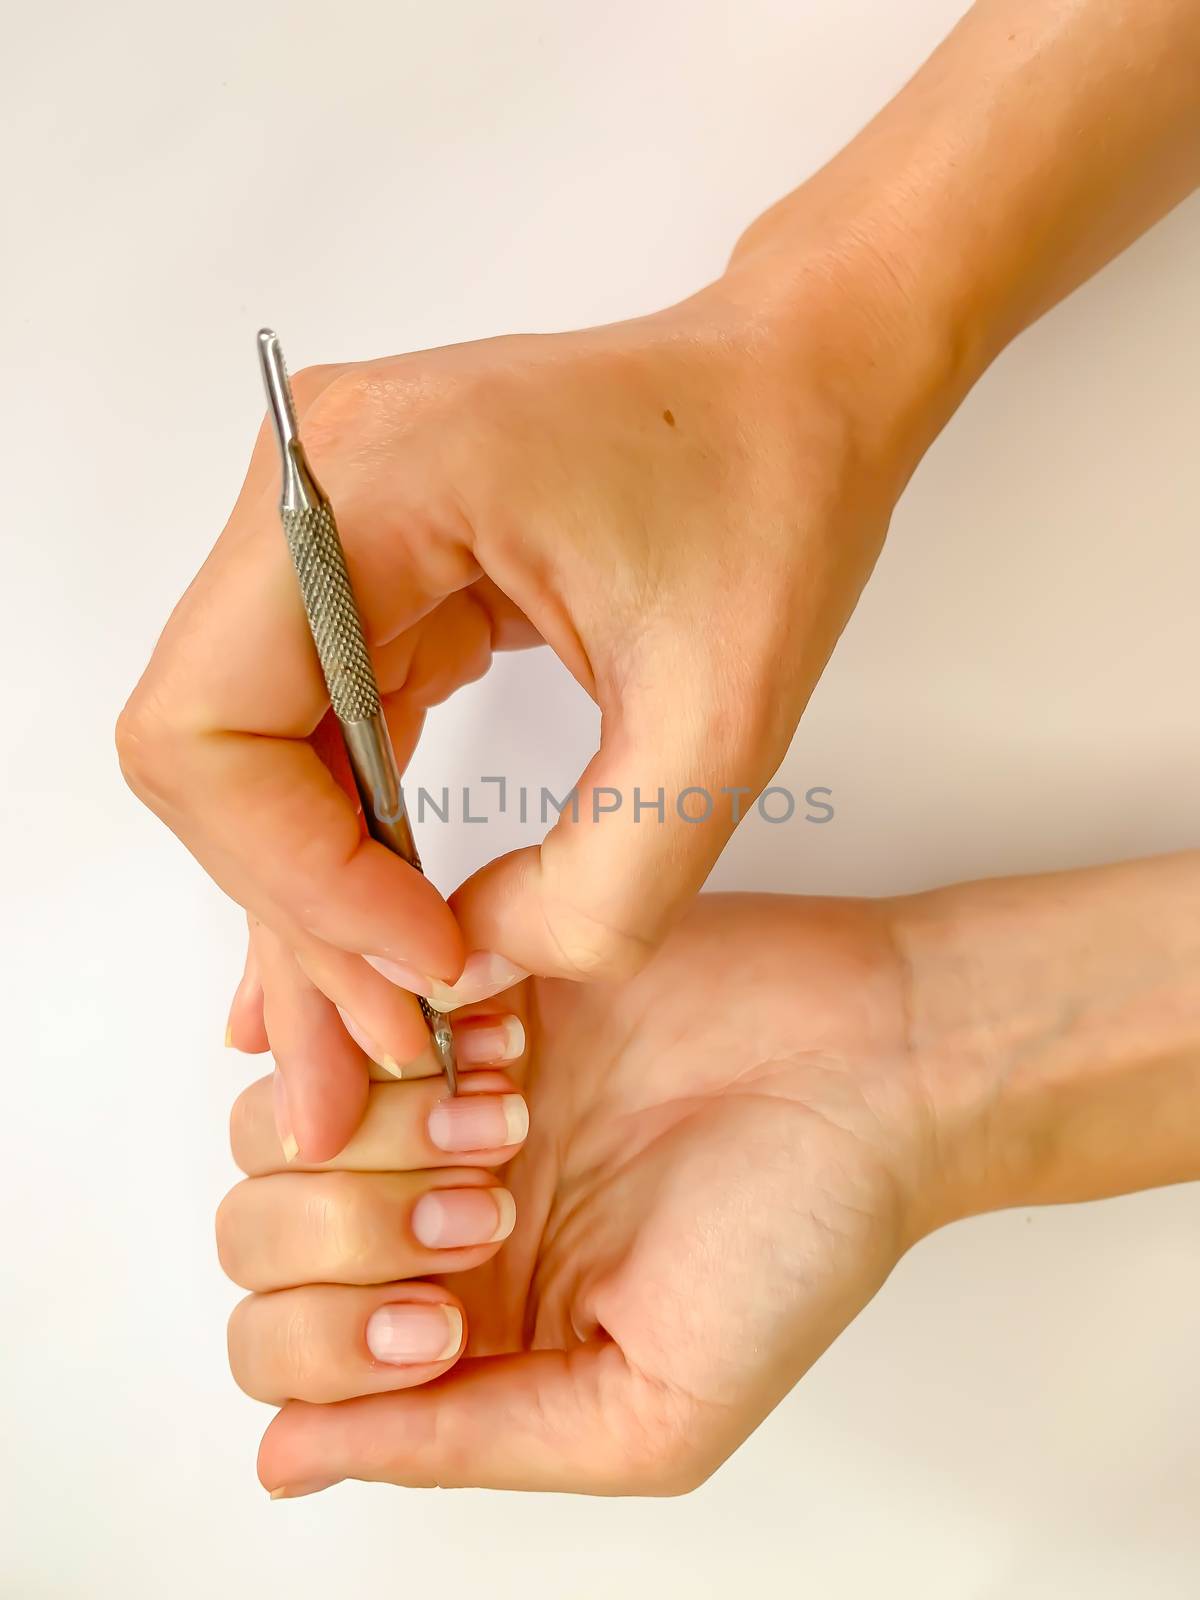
{"x": 320, "y": 564}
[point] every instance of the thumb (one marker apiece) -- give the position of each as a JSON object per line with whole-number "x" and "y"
{"x": 545, "y": 1420}
{"x": 633, "y": 843}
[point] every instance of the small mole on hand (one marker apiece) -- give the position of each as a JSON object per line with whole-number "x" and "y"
{"x": 669, "y": 418}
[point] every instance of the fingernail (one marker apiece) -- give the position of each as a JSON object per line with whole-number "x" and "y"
{"x": 407, "y": 1334}
{"x": 499, "y": 1039}
{"x": 229, "y": 1036}
{"x": 478, "y": 1122}
{"x": 293, "y": 1491}
{"x": 283, "y": 1117}
{"x": 484, "y": 975}
{"x": 401, "y": 974}
{"x": 368, "y": 1046}
{"x": 449, "y": 1219}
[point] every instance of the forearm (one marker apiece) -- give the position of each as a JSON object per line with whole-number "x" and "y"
{"x": 1056, "y": 1021}
{"x": 1037, "y": 142}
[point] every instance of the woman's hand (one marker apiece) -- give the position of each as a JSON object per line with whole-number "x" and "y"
{"x": 726, "y": 1156}
{"x": 684, "y": 507}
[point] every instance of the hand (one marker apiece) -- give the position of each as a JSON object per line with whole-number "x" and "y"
{"x": 726, "y": 1156}
{"x": 684, "y": 507}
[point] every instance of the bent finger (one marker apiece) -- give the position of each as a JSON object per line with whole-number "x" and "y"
{"x": 320, "y": 1090}
{"x": 406, "y": 1127}
{"x": 245, "y": 1029}
{"x": 293, "y": 1228}
{"x": 323, "y": 1342}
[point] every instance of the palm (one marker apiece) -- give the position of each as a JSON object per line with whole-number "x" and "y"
{"x": 713, "y": 1183}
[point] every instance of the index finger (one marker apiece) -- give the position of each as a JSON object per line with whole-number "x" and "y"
{"x": 215, "y": 736}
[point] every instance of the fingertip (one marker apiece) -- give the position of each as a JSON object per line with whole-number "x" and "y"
{"x": 512, "y": 905}
{"x": 245, "y": 1030}
{"x": 326, "y": 1115}
{"x": 279, "y": 1465}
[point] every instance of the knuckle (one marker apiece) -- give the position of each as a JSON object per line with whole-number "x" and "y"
{"x": 276, "y": 1351}
{"x": 347, "y": 1226}
{"x": 299, "y": 1353}
{"x": 336, "y": 404}
{"x": 310, "y": 382}
{"x": 593, "y": 950}
{"x": 244, "y": 1124}
{"x": 242, "y": 1346}
{"x": 141, "y": 739}
{"x": 230, "y": 1252}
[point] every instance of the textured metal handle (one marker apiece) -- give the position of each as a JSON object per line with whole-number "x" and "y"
{"x": 316, "y": 552}
{"x": 333, "y": 620}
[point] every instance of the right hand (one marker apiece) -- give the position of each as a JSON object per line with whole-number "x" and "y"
{"x": 685, "y": 507}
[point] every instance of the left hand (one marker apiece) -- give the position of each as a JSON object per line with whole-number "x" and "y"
{"x": 727, "y": 1155}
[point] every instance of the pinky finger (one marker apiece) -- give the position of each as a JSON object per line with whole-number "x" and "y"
{"x": 245, "y": 1029}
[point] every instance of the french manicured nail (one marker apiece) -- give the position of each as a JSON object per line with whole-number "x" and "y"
{"x": 499, "y": 1039}
{"x": 402, "y": 975}
{"x": 484, "y": 975}
{"x": 478, "y": 1122}
{"x": 452, "y": 1219}
{"x": 368, "y": 1046}
{"x": 283, "y": 1117}
{"x": 293, "y": 1491}
{"x": 405, "y": 1335}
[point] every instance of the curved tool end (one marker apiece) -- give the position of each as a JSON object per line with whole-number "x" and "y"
{"x": 279, "y": 390}
{"x": 443, "y": 1049}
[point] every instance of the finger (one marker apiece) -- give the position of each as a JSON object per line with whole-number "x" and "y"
{"x": 284, "y": 840}
{"x": 407, "y": 1127}
{"x": 428, "y": 662}
{"x": 450, "y": 647}
{"x": 291, "y": 1228}
{"x": 478, "y": 1041}
{"x": 321, "y": 1082}
{"x": 510, "y": 628}
{"x": 324, "y": 1343}
{"x": 551, "y": 1420}
{"x": 245, "y": 1030}
{"x": 650, "y": 816}
{"x": 384, "y": 1021}
{"x": 215, "y": 736}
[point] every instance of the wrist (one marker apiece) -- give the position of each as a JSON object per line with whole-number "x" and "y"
{"x": 829, "y": 287}
{"x": 1055, "y": 1024}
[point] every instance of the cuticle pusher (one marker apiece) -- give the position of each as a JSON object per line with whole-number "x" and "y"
{"x": 329, "y": 604}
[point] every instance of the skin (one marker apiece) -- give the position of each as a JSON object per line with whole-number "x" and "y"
{"x": 726, "y": 1157}
{"x": 756, "y": 1106}
{"x": 685, "y": 507}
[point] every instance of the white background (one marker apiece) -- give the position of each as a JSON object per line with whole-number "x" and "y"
{"x": 1017, "y": 1412}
